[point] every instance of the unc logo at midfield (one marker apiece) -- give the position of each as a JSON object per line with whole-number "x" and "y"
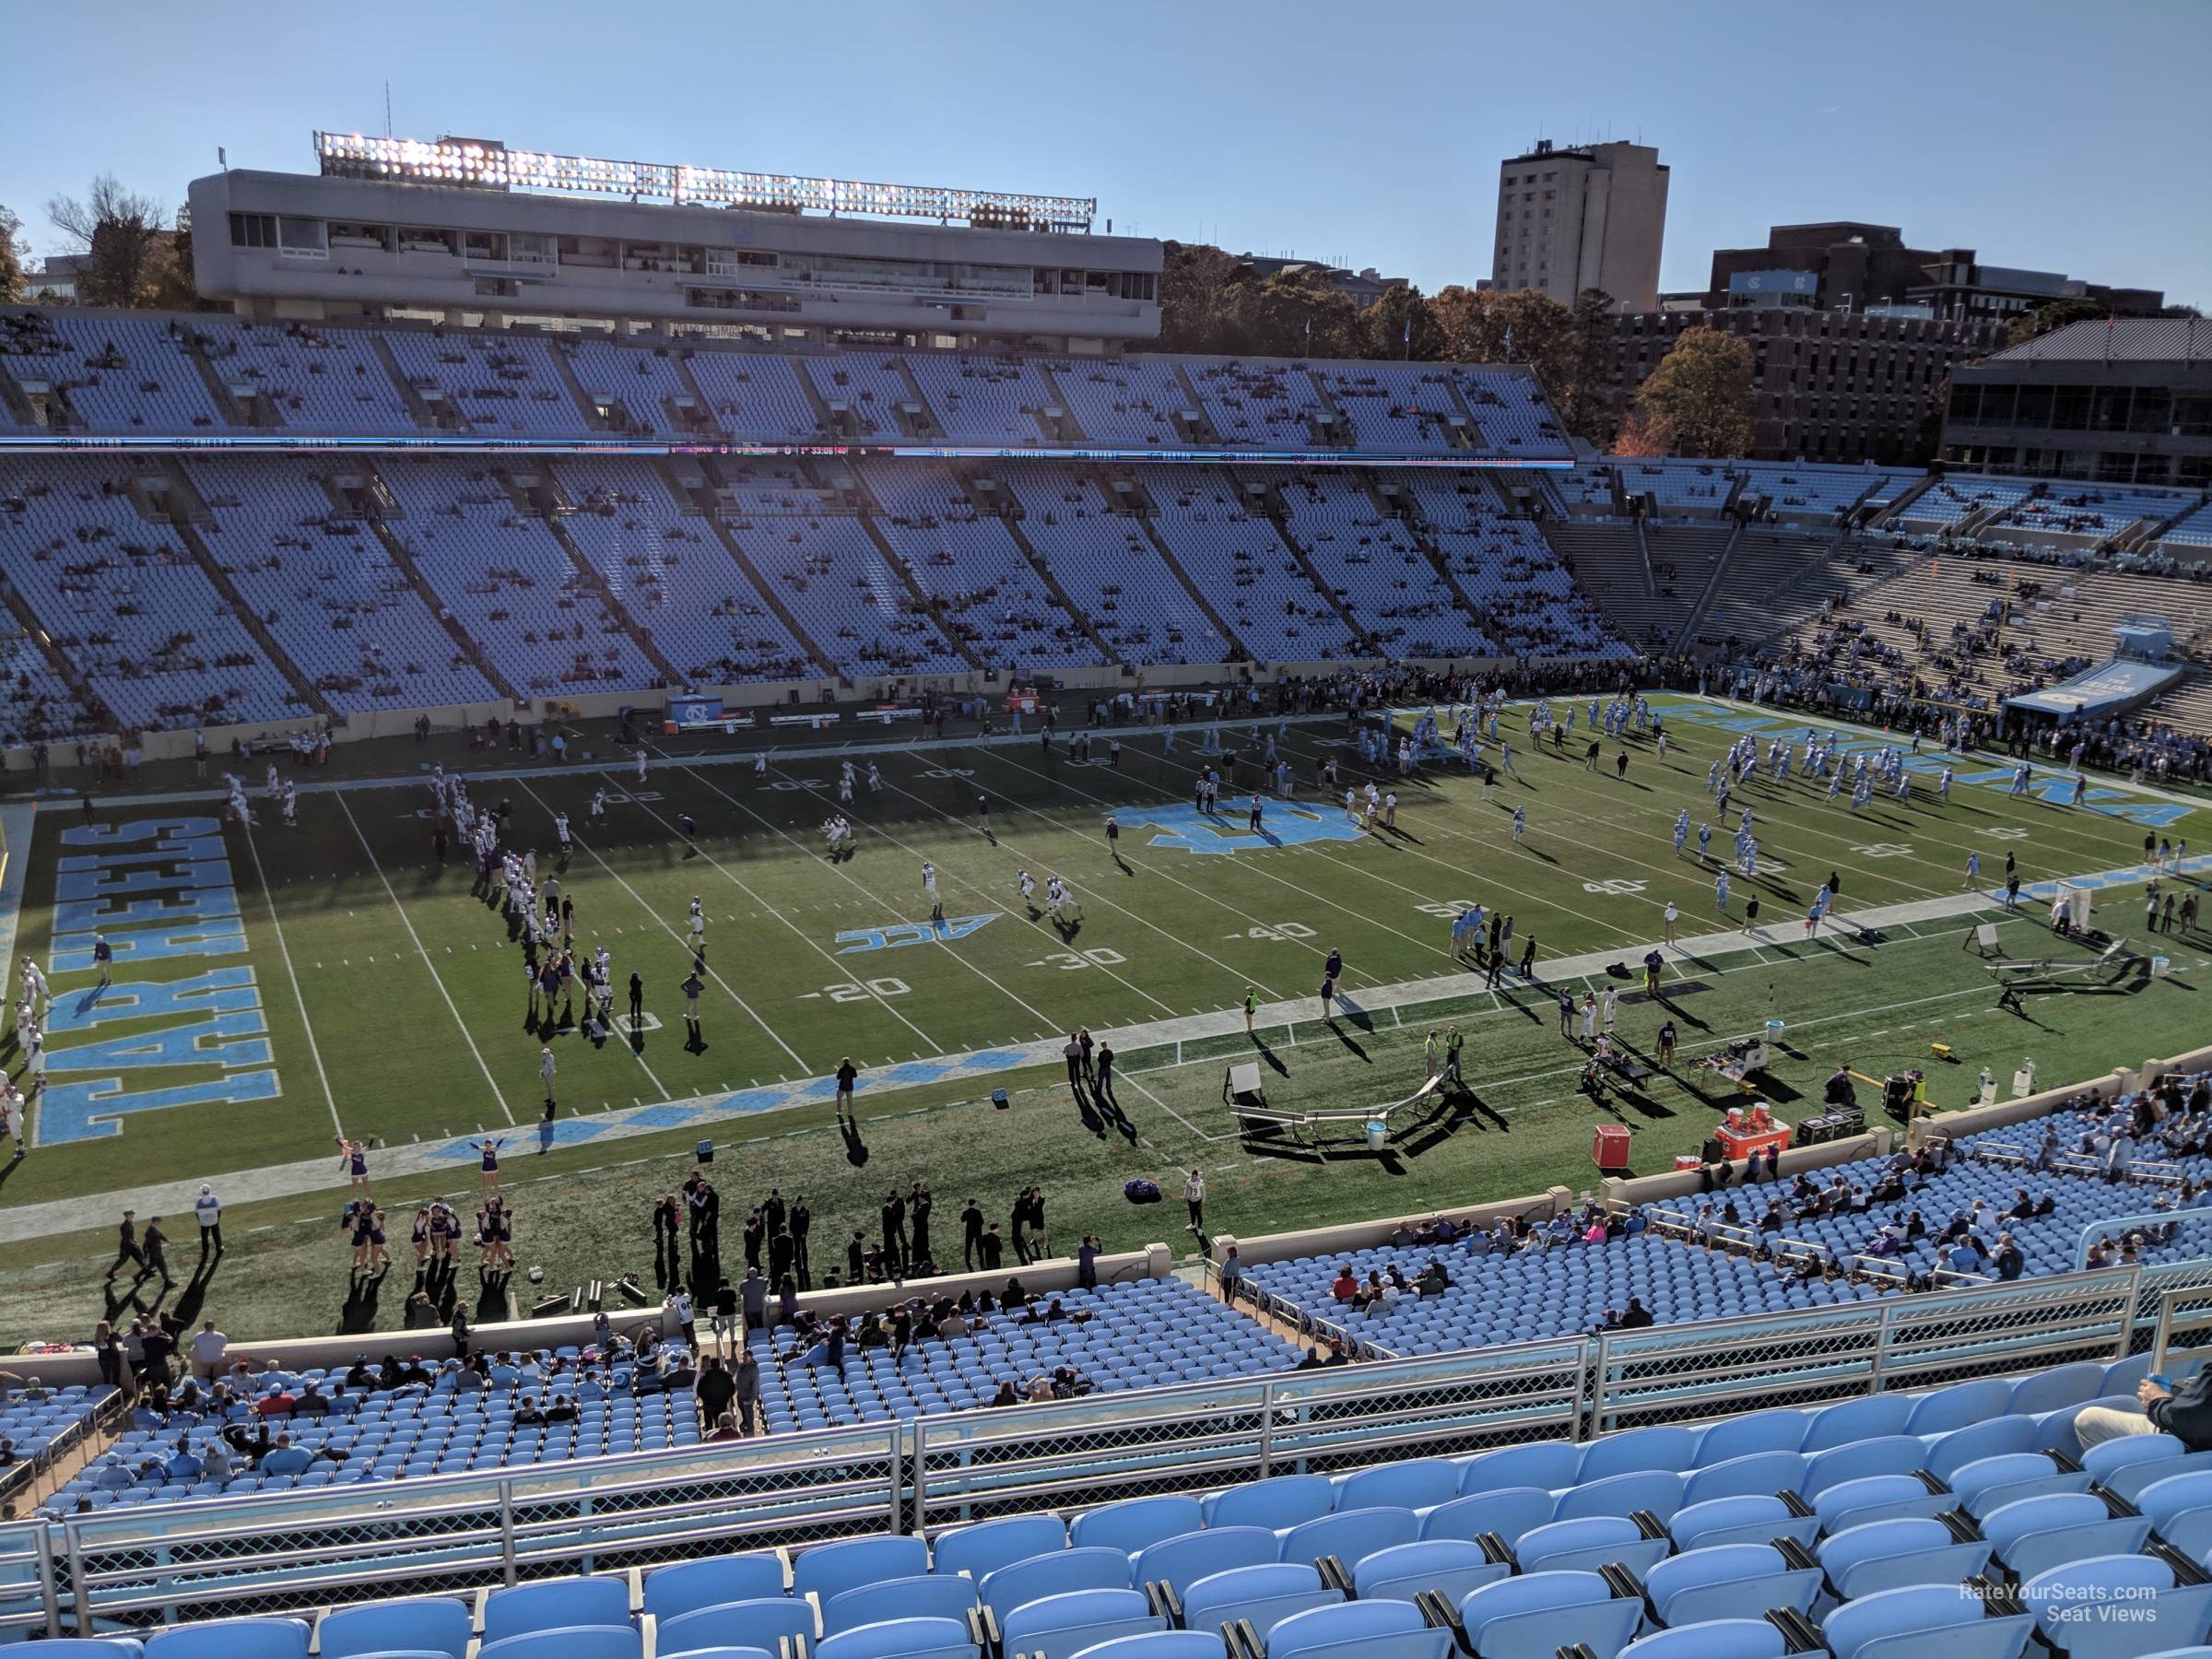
{"x": 1194, "y": 832}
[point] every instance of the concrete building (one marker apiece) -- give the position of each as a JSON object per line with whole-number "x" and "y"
{"x": 1589, "y": 216}
{"x": 423, "y": 235}
{"x": 2122, "y": 402}
{"x": 1846, "y": 265}
{"x": 1829, "y": 385}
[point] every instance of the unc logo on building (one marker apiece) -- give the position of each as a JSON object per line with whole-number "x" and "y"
{"x": 1194, "y": 832}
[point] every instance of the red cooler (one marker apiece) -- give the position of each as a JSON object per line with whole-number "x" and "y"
{"x": 1610, "y": 1147}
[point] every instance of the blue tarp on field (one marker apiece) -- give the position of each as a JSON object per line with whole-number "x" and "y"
{"x": 2102, "y": 690}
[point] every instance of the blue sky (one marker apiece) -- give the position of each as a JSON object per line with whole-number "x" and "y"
{"x": 2049, "y": 135}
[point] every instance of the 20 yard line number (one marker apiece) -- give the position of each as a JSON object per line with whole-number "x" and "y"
{"x": 852, "y": 990}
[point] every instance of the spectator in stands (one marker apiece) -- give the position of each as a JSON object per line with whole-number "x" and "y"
{"x": 2184, "y": 1412}
{"x": 715, "y": 1391}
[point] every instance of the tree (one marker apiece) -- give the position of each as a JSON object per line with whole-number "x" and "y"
{"x": 131, "y": 258}
{"x": 1632, "y": 441}
{"x": 1196, "y": 304}
{"x": 1401, "y": 325}
{"x": 13, "y": 251}
{"x": 1298, "y": 313}
{"x": 2057, "y": 314}
{"x": 1567, "y": 347}
{"x": 1698, "y": 401}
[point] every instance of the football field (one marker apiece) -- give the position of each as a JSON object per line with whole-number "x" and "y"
{"x": 278, "y": 985}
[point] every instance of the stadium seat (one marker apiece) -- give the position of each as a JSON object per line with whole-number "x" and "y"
{"x": 1419, "y": 1483}
{"x": 760, "y": 1622}
{"x": 1057, "y": 1627}
{"x": 231, "y": 1639}
{"x": 1637, "y": 1450}
{"x": 1990, "y": 1483}
{"x": 434, "y": 1624}
{"x": 1961, "y": 1403}
{"x": 1755, "y": 1474}
{"x": 92, "y": 1647}
{"x": 1868, "y": 1419}
{"x": 556, "y": 1604}
{"x": 1588, "y": 1542}
{"x": 1879, "y": 1455}
{"x": 1950, "y": 1453}
{"x": 1889, "y": 1555}
{"x": 2125, "y": 1468}
{"x": 1386, "y": 1630}
{"x": 687, "y": 1586}
{"x": 921, "y": 1638}
{"x": 2034, "y": 1535}
{"x": 1658, "y": 1491}
{"x": 1714, "y": 1639}
{"x": 1780, "y": 1429}
{"x": 1534, "y": 1615}
{"x": 2065, "y": 1602}
{"x": 2057, "y": 1388}
{"x": 1878, "y": 1498}
{"x": 1547, "y": 1464}
{"x": 1724, "y": 1579}
{"x": 2181, "y": 1507}
{"x": 567, "y": 1641}
{"x": 1923, "y": 1619}
{"x": 1163, "y": 1644}
{"x": 1748, "y": 1519}
{"x": 989, "y": 1545}
{"x": 1065, "y": 1572}
{"x": 717, "y": 1653}
{"x": 1350, "y": 1533}
{"x": 1509, "y": 1512}
{"x": 1451, "y": 1567}
{"x": 937, "y": 1595}
{"x": 1280, "y": 1503}
{"x": 1129, "y": 1526}
{"x": 1261, "y": 1594}
{"x": 1177, "y": 1562}
{"x": 828, "y": 1569}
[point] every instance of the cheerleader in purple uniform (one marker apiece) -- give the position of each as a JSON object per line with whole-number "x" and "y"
{"x": 490, "y": 1150}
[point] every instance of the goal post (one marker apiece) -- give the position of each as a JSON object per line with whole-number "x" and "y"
{"x": 2075, "y": 901}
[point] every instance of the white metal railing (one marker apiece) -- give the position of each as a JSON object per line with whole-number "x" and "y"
{"x": 312, "y": 1547}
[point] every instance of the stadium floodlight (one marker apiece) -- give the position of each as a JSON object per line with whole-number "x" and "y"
{"x": 485, "y": 164}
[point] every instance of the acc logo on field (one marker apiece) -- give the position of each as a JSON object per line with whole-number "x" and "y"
{"x": 1885, "y": 850}
{"x": 1195, "y": 831}
{"x": 894, "y": 934}
{"x": 1617, "y": 887}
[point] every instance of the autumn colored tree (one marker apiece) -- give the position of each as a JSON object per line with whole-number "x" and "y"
{"x": 1401, "y": 325}
{"x": 1566, "y": 346}
{"x": 14, "y": 251}
{"x": 1199, "y": 296}
{"x": 1698, "y": 401}
{"x": 130, "y": 254}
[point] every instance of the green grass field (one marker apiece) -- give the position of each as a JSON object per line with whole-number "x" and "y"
{"x": 390, "y": 1002}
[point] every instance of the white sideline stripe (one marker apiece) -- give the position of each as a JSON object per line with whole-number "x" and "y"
{"x": 407, "y": 922}
{"x": 307, "y": 1024}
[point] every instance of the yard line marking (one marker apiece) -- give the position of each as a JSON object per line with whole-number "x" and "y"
{"x": 306, "y": 1025}
{"x": 1170, "y": 1111}
{"x": 407, "y": 922}
{"x": 674, "y": 933}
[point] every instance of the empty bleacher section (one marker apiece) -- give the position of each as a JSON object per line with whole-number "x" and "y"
{"x": 756, "y": 397}
{"x": 2068, "y": 513}
{"x": 1588, "y": 486}
{"x": 1778, "y": 583}
{"x": 1263, "y": 404}
{"x": 497, "y": 385}
{"x": 1952, "y": 501}
{"x": 2191, "y": 534}
{"x": 984, "y": 591}
{"x": 984, "y": 399}
{"x": 1240, "y": 566}
{"x": 1811, "y": 491}
{"x": 1132, "y": 400}
{"x": 327, "y": 589}
{"x": 1679, "y": 488}
{"x": 845, "y": 595}
{"x": 1510, "y": 412}
{"x": 1378, "y": 572}
{"x": 635, "y": 389}
{"x": 1392, "y": 405}
{"x": 671, "y": 574}
{"x": 306, "y": 379}
{"x": 513, "y": 586}
{"x": 1110, "y": 572}
{"x": 126, "y": 603}
{"x": 122, "y": 374}
{"x": 865, "y": 394}
{"x": 37, "y": 704}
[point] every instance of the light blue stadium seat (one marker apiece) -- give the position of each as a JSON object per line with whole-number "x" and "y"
{"x": 1655, "y": 1490}
{"x": 1279, "y": 1503}
{"x": 1780, "y": 1429}
{"x": 687, "y": 1586}
{"x": 1756, "y": 1474}
{"x": 2181, "y": 1507}
{"x": 1859, "y": 1419}
{"x": 921, "y": 1638}
{"x": 1508, "y": 1512}
{"x": 1714, "y": 1639}
{"x": 1165, "y": 1645}
{"x": 1922, "y": 1620}
{"x": 1878, "y": 1498}
{"x": 930, "y": 1595}
{"x": 1534, "y": 1615}
{"x": 1948, "y": 1454}
{"x": 1637, "y": 1450}
{"x": 1724, "y": 1579}
{"x": 1419, "y": 1483}
{"x": 92, "y": 1647}
{"x": 436, "y": 1624}
{"x": 1350, "y": 1533}
{"x": 2122, "y": 1375}
{"x": 1989, "y": 1483}
{"x": 1588, "y": 1542}
{"x": 1749, "y": 1519}
{"x": 1946, "y": 1409}
{"x": 1063, "y": 1573}
{"x": 1262, "y": 1595}
{"x": 1177, "y": 1562}
{"x": 556, "y": 1604}
{"x": 1888, "y": 1555}
{"x": 2034, "y": 1535}
{"x": 1388, "y": 1629}
{"x": 717, "y": 1653}
{"x": 2065, "y": 1599}
{"x": 1130, "y": 1525}
{"x": 760, "y": 1622}
{"x": 570, "y": 1642}
{"x": 1057, "y": 1627}
{"x": 1880, "y": 1454}
{"x": 831, "y": 1569}
{"x": 1547, "y": 1464}
{"x": 2125, "y": 1468}
{"x": 990, "y": 1545}
{"x": 2057, "y": 1388}
{"x": 1451, "y": 1567}
{"x": 231, "y": 1639}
